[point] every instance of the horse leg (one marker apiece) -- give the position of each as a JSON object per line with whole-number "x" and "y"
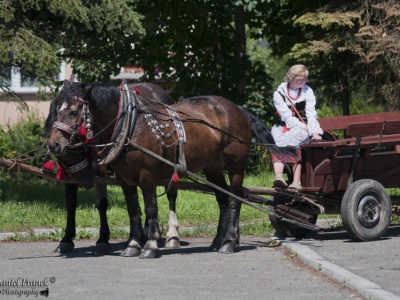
{"x": 135, "y": 240}
{"x": 151, "y": 249}
{"x": 232, "y": 236}
{"x": 172, "y": 238}
{"x": 71, "y": 198}
{"x": 217, "y": 177}
{"x": 102, "y": 245}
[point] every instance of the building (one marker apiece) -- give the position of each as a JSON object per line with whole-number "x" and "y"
{"x": 9, "y": 112}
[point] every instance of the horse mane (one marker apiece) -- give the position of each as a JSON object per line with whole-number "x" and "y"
{"x": 98, "y": 94}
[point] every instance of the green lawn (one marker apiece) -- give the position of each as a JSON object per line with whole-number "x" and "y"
{"x": 26, "y": 206}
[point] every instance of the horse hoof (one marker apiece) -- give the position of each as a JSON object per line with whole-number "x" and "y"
{"x": 150, "y": 253}
{"x": 64, "y": 248}
{"x": 172, "y": 243}
{"x": 227, "y": 248}
{"x": 130, "y": 252}
{"x": 214, "y": 247}
{"x": 103, "y": 248}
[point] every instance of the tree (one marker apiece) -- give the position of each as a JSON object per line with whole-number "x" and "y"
{"x": 201, "y": 46}
{"x": 37, "y": 35}
{"x": 352, "y": 46}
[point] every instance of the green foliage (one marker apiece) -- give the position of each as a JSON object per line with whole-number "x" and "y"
{"x": 37, "y": 35}
{"x": 4, "y": 152}
{"x": 21, "y": 138}
{"x": 348, "y": 46}
{"x": 204, "y": 51}
{"x": 83, "y": 234}
{"x": 328, "y": 21}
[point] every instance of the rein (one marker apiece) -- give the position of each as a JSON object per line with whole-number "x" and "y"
{"x": 193, "y": 119}
{"x": 144, "y": 150}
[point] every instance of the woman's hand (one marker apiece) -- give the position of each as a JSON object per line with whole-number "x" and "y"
{"x": 305, "y": 127}
{"x": 316, "y": 136}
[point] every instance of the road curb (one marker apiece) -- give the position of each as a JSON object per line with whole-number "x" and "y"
{"x": 43, "y": 231}
{"x": 362, "y": 286}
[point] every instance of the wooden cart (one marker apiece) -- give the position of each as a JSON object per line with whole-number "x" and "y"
{"x": 347, "y": 176}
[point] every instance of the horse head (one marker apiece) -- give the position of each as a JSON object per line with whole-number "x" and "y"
{"x": 66, "y": 131}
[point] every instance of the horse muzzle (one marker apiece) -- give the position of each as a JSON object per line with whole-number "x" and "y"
{"x": 56, "y": 148}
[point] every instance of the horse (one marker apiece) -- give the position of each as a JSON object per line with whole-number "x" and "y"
{"x": 103, "y": 246}
{"x": 202, "y": 133}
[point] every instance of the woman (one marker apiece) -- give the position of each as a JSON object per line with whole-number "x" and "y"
{"x": 295, "y": 104}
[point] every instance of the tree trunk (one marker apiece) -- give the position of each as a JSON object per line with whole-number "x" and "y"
{"x": 240, "y": 48}
{"x": 344, "y": 86}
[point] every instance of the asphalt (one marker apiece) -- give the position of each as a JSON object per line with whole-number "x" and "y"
{"x": 191, "y": 272}
{"x": 328, "y": 265}
{"x": 370, "y": 268}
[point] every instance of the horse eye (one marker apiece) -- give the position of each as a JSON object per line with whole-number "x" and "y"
{"x": 73, "y": 113}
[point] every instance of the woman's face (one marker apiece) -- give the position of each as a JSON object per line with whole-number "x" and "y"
{"x": 298, "y": 83}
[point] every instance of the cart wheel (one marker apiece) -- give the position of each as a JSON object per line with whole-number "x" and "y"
{"x": 286, "y": 229}
{"x": 366, "y": 210}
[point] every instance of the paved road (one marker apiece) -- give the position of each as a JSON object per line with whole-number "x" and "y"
{"x": 372, "y": 268}
{"x": 254, "y": 272}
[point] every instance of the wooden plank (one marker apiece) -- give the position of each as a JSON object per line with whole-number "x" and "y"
{"x": 182, "y": 185}
{"x": 339, "y": 123}
{"x": 373, "y": 128}
{"x": 348, "y": 144}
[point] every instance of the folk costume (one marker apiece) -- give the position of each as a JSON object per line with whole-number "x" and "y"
{"x": 296, "y": 109}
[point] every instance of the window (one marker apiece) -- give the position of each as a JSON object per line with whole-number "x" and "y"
{"x": 19, "y": 84}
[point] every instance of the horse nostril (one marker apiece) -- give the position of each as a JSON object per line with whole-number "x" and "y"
{"x": 55, "y": 148}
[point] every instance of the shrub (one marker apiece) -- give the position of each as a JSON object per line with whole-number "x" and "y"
{"x": 21, "y": 138}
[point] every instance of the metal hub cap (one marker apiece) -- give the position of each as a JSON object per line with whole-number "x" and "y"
{"x": 368, "y": 212}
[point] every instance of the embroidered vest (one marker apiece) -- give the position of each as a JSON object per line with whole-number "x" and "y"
{"x": 300, "y": 106}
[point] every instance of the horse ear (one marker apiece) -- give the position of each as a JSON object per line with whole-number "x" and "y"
{"x": 73, "y": 78}
{"x": 87, "y": 88}
{"x": 67, "y": 84}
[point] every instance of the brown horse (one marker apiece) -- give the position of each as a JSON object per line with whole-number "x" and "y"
{"x": 212, "y": 131}
{"x": 103, "y": 246}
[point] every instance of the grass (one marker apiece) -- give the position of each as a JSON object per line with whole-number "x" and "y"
{"x": 26, "y": 206}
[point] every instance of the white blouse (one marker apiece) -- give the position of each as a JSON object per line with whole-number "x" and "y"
{"x": 283, "y": 108}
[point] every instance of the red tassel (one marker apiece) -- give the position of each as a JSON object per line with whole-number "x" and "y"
{"x": 60, "y": 173}
{"x": 48, "y": 165}
{"x": 175, "y": 178}
{"x": 82, "y": 131}
{"x": 137, "y": 92}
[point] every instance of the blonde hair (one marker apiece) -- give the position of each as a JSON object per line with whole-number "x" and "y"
{"x": 296, "y": 72}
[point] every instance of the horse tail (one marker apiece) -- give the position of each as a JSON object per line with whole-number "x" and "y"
{"x": 262, "y": 134}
